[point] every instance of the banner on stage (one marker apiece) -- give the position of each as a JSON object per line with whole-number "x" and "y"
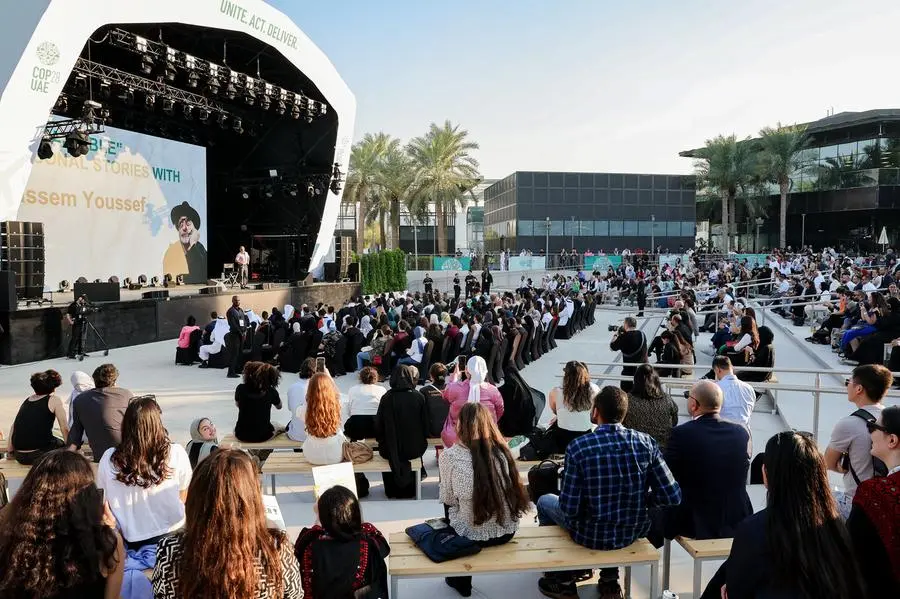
{"x": 452, "y": 263}
{"x": 135, "y": 204}
{"x": 601, "y": 263}
{"x": 519, "y": 263}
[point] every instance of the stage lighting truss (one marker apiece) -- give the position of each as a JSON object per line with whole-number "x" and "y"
{"x": 75, "y": 132}
{"x": 253, "y": 90}
{"x": 337, "y": 179}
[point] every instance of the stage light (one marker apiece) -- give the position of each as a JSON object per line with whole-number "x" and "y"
{"x": 80, "y": 83}
{"x": 323, "y": 109}
{"x": 150, "y": 102}
{"x": 254, "y": 131}
{"x": 213, "y": 86}
{"x": 295, "y": 112}
{"x": 62, "y": 104}
{"x": 230, "y": 91}
{"x": 154, "y": 281}
{"x": 280, "y": 108}
{"x": 292, "y": 190}
{"x": 245, "y": 195}
{"x": 88, "y": 109}
{"x": 237, "y": 126}
{"x": 188, "y": 112}
{"x": 266, "y": 101}
{"x": 126, "y": 283}
{"x": 250, "y": 91}
{"x": 77, "y": 144}
{"x": 179, "y": 280}
{"x": 269, "y": 192}
{"x": 311, "y": 189}
{"x": 167, "y": 278}
{"x": 113, "y": 279}
{"x": 203, "y": 116}
{"x": 127, "y": 96}
{"x": 221, "y": 119}
{"x": 45, "y": 149}
{"x": 310, "y": 111}
{"x": 168, "y": 106}
{"x": 193, "y": 80}
{"x": 81, "y": 280}
{"x": 142, "y": 280}
{"x": 98, "y": 280}
{"x": 171, "y": 71}
{"x": 64, "y": 286}
{"x": 146, "y": 64}
{"x": 105, "y": 89}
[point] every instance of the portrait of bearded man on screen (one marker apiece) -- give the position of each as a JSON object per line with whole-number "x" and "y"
{"x": 186, "y": 256}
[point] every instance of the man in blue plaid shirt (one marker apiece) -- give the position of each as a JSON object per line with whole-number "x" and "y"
{"x": 612, "y": 477}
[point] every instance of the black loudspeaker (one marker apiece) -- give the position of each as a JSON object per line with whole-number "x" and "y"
{"x": 7, "y": 291}
{"x": 212, "y": 290}
{"x": 353, "y": 271}
{"x": 99, "y": 292}
{"x": 158, "y": 295}
{"x": 331, "y": 272}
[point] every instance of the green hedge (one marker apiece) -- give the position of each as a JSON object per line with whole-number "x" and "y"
{"x": 383, "y": 271}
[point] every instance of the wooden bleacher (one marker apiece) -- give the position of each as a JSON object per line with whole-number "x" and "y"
{"x": 701, "y": 551}
{"x": 544, "y": 549}
{"x": 282, "y": 441}
{"x": 292, "y": 463}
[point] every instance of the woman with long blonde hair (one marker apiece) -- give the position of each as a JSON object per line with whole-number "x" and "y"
{"x": 226, "y": 548}
{"x": 324, "y": 437}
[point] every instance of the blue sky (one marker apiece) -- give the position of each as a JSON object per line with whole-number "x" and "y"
{"x": 603, "y": 85}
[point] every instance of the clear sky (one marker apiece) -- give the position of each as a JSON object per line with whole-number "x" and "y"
{"x": 600, "y": 85}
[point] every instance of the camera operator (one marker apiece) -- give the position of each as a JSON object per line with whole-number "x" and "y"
{"x": 633, "y": 345}
{"x": 76, "y": 315}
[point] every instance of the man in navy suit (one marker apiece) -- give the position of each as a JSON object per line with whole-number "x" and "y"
{"x": 709, "y": 458}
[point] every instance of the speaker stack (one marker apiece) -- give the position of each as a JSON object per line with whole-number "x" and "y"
{"x": 22, "y": 252}
{"x": 343, "y": 250}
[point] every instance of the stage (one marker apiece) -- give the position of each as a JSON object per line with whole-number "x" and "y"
{"x": 38, "y": 333}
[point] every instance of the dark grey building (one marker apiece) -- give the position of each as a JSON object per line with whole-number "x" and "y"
{"x": 596, "y": 211}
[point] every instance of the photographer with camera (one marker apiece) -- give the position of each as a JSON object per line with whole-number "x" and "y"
{"x": 76, "y": 314}
{"x": 633, "y": 345}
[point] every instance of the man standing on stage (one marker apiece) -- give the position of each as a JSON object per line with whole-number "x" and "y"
{"x": 486, "y": 279}
{"x": 243, "y": 262}
{"x": 237, "y": 329}
{"x": 75, "y": 318}
{"x": 187, "y": 256}
{"x": 428, "y": 282}
{"x": 456, "y": 288}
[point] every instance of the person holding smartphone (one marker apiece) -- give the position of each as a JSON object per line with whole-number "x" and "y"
{"x": 468, "y": 382}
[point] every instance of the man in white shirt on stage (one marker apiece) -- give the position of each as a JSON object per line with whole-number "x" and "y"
{"x": 242, "y": 260}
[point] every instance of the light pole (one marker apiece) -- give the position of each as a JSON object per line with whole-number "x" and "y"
{"x": 573, "y": 232}
{"x": 652, "y": 234}
{"x": 759, "y": 223}
{"x": 547, "y": 241}
{"x": 802, "y": 231}
{"x": 416, "y": 243}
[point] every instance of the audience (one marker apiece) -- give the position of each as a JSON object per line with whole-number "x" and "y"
{"x": 324, "y": 442}
{"x": 611, "y": 479}
{"x": 58, "y": 538}
{"x": 572, "y": 404}
{"x": 98, "y": 413}
{"x": 145, "y": 477}
{"x": 203, "y": 440}
{"x": 632, "y": 342}
{"x": 474, "y": 388}
{"x": 296, "y": 395}
{"x": 480, "y": 485}
{"x": 31, "y": 434}
{"x": 342, "y": 556}
{"x": 739, "y": 397}
{"x": 433, "y": 391}
{"x": 650, "y": 409}
{"x": 227, "y": 548}
{"x": 81, "y": 382}
{"x": 401, "y": 429}
{"x": 362, "y": 405}
{"x": 874, "y": 522}
{"x": 254, "y": 398}
{"x": 797, "y": 546}
{"x": 850, "y": 446}
{"x": 709, "y": 458}
{"x": 184, "y": 337}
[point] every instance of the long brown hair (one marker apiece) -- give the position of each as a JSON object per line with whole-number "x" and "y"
{"x": 577, "y": 387}
{"x": 143, "y": 455}
{"x": 323, "y": 406}
{"x": 224, "y": 504}
{"x": 261, "y": 377}
{"x": 52, "y": 535}
{"x": 498, "y": 490}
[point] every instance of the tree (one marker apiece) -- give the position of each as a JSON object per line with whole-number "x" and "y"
{"x": 444, "y": 172}
{"x": 361, "y": 187}
{"x": 780, "y": 157}
{"x": 725, "y": 165}
{"x": 395, "y": 181}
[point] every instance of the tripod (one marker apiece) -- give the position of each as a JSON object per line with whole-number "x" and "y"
{"x": 79, "y": 350}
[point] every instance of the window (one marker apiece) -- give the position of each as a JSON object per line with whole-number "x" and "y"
{"x": 557, "y": 228}
{"x": 601, "y": 180}
{"x": 644, "y": 228}
{"x": 630, "y": 228}
{"x": 615, "y": 181}
{"x": 570, "y": 226}
{"x": 688, "y": 228}
{"x": 526, "y": 228}
{"x": 585, "y": 228}
{"x": 540, "y": 179}
{"x": 524, "y": 179}
{"x": 556, "y": 179}
{"x": 659, "y": 228}
{"x": 673, "y": 229}
{"x": 601, "y": 228}
{"x": 571, "y": 180}
{"x": 555, "y": 196}
{"x": 615, "y": 228}
{"x": 631, "y": 181}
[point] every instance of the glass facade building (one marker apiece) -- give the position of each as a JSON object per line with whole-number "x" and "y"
{"x": 596, "y": 211}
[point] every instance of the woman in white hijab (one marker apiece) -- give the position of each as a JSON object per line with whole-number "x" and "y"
{"x": 81, "y": 382}
{"x": 288, "y": 311}
{"x": 474, "y": 388}
{"x": 365, "y": 327}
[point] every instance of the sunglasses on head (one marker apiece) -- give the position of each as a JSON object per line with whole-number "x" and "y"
{"x": 874, "y": 426}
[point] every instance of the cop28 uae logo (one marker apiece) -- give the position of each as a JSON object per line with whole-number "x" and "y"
{"x": 48, "y": 54}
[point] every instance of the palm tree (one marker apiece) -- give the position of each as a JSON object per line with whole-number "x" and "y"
{"x": 362, "y": 179}
{"x": 725, "y": 165}
{"x": 395, "y": 180}
{"x": 780, "y": 157}
{"x": 444, "y": 172}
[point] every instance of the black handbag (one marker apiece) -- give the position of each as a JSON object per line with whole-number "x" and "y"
{"x": 543, "y": 479}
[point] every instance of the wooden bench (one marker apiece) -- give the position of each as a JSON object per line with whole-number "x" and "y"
{"x": 543, "y": 549}
{"x": 700, "y": 551}
{"x": 13, "y": 469}
{"x": 282, "y": 441}
{"x": 297, "y": 464}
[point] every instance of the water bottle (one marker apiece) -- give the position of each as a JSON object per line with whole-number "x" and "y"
{"x": 667, "y": 594}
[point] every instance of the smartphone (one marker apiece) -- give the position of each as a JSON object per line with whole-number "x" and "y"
{"x": 320, "y": 364}
{"x": 462, "y": 363}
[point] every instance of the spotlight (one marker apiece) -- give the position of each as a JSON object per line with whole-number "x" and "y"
{"x": 146, "y": 64}
{"x": 292, "y": 191}
{"x": 203, "y": 116}
{"x": 280, "y": 108}
{"x": 311, "y": 189}
{"x": 269, "y": 192}
{"x": 113, "y": 279}
{"x": 45, "y": 149}
{"x": 245, "y": 195}
{"x": 266, "y": 101}
{"x": 250, "y": 91}
{"x": 81, "y": 280}
{"x": 98, "y": 280}
{"x": 179, "y": 280}
{"x": 105, "y": 116}
{"x": 213, "y": 85}
{"x": 295, "y": 112}
{"x": 193, "y": 80}
{"x": 127, "y": 96}
{"x": 254, "y": 131}
{"x": 230, "y": 91}
{"x": 64, "y": 285}
{"x": 336, "y": 186}
{"x": 88, "y": 113}
{"x": 150, "y": 102}
{"x": 126, "y": 283}
{"x": 105, "y": 89}
{"x": 188, "y": 112}
{"x": 167, "y": 278}
{"x": 221, "y": 119}
{"x": 310, "y": 111}
{"x": 168, "y": 106}
{"x": 154, "y": 282}
{"x": 62, "y": 104}
{"x": 142, "y": 280}
{"x": 80, "y": 83}
{"x": 171, "y": 71}
{"x": 323, "y": 109}
{"x": 77, "y": 144}
{"x": 237, "y": 126}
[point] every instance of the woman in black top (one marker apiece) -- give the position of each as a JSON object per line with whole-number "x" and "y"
{"x": 435, "y": 404}
{"x": 31, "y": 435}
{"x": 58, "y": 538}
{"x": 401, "y": 429}
{"x": 650, "y": 409}
{"x": 255, "y": 398}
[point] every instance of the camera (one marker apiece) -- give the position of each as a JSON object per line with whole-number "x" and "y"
{"x": 617, "y": 328}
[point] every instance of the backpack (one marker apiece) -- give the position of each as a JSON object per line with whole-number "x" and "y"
{"x": 878, "y": 466}
{"x": 437, "y": 409}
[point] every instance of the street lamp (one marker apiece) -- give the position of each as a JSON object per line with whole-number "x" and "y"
{"x": 547, "y": 241}
{"x": 759, "y": 223}
{"x": 573, "y": 232}
{"x": 652, "y": 234}
{"x": 416, "y": 242}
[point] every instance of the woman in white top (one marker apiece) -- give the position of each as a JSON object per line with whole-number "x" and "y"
{"x": 296, "y": 400}
{"x": 324, "y": 440}
{"x": 145, "y": 477}
{"x": 480, "y": 488}
{"x": 572, "y": 404}
{"x": 362, "y": 407}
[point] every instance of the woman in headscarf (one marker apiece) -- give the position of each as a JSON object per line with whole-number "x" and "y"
{"x": 445, "y": 320}
{"x": 81, "y": 382}
{"x": 365, "y": 325}
{"x": 288, "y": 312}
{"x": 333, "y": 346}
{"x": 416, "y": 350}
{"x": 474, "y": 388}
{"x": 401, "y": 429}
{"x": 203, "y": 440}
